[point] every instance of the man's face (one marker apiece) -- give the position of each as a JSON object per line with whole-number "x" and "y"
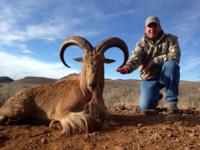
{"x": 152, "y": 31}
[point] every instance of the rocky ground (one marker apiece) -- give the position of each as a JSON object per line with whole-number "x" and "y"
{"x": 135, "y": 131}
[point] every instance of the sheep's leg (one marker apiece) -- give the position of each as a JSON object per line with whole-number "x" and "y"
{"x": 96, "y": 107}
{"x": 99, "y": 112}
{"x": 2, "y": 119}
{"x": 3, "y": 116}
{"x": 15, "y": 109}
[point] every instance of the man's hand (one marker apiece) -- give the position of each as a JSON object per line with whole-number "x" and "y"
{"x": 122, "y": 70}
{"x": 148, "y": 67}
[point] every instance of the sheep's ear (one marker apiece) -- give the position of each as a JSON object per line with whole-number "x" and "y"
{"x": 80, "y": 59}
{"x": 108, "y": 61}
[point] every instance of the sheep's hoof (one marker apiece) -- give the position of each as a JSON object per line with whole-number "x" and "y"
{"x": 112, "y": 122}
{"x": 94, "y": 125}
{"x": 55, "y": 124}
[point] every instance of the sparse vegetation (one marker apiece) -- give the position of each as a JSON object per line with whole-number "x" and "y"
{"x": 121, "y": 94}
{"x": 121, "y": 91}
{"x": 8, "y": 89}
{"x": 128, "y": 92}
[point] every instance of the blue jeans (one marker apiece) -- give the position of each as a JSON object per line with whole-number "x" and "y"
{"x": 169, "y": 78}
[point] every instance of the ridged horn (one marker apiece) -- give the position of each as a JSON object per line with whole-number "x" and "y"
{"x": 114, "y": 42}
{"x": 74, "y": 40}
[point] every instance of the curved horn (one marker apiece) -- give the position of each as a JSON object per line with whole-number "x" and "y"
{"x": 74, "y": 40}
{"x": 114, "y": 42}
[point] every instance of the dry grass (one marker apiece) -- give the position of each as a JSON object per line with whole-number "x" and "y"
{"x": 6, "y": 90}
{"x": 121, "y": 92}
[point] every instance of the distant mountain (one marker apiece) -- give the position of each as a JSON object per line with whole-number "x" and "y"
{"x": 35, "y": 80}
{"x": 5, "y": 79}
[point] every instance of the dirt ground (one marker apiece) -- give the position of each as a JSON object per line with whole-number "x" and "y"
{"x": 135, "y": 131}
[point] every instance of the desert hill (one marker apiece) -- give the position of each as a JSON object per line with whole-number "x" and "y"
{"x": 35, "y": 80}
{"x": 4, "y": 79}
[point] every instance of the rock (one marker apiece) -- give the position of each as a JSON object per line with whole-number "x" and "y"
{"x": 121, "y": 107}
{"x": 44, "y": 140}
{"x": 105, "y": 147}
{"x": 181, "y": 130}
{"x": 139, "y": 125}
{"x": 169, "y": 134}
{"x": 156, "y": 136}
{"x": 191, "y": 135}
{"x": 118, "y": 148}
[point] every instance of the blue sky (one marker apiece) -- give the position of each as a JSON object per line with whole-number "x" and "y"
{"x": 32, "y": 31}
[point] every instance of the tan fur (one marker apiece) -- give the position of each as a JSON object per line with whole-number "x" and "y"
{"x": 46, "y": 102}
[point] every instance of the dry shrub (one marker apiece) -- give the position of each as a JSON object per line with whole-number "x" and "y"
{"x": 123, "y": 92}
{"x": 7, "y": 90}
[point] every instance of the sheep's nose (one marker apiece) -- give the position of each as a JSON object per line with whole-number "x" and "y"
{"x": 93, "y": 84}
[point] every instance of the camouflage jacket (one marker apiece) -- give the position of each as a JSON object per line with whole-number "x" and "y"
{"x": 165, "y": 48}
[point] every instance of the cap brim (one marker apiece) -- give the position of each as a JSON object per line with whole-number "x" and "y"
{"x": 152, "y": 22}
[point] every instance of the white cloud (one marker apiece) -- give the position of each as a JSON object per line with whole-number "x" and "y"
{"x": 24, "y": 49}
{"x": 22, "y": 21}
{"x": 190, "y": 63}
{"x": 18, "y": 67}
{"x": 44, "y": 31}
{"x": 115, "y": 15}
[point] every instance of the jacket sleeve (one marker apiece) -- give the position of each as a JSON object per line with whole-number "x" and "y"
{"x": 173, "y": 52}
{"x": 136, "y": 58}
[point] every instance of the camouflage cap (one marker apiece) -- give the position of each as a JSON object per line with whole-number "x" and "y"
{"x": 152, "y": 19}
